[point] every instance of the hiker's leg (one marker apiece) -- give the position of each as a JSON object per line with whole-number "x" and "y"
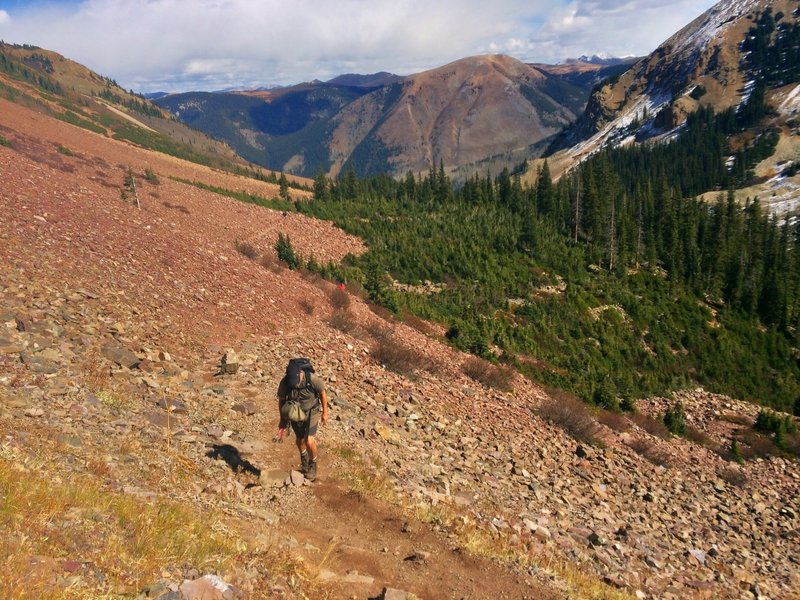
{"x": 299, "y": 436}
{"x": 311, "y": 444}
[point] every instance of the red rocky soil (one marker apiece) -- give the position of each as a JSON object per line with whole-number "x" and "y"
{"x": 89, "y": 279}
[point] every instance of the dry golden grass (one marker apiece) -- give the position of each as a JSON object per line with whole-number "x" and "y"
{"x": 122, "y": 537}
{"x": 363, "y": 478}
{"x": 479, "y": 541}
{"x": 96, "y": 376}
{"x": 65, "y": 535}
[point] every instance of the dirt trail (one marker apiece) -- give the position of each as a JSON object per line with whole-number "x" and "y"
{"x": 126, "y": 116}
{"x": 360, "y": 544}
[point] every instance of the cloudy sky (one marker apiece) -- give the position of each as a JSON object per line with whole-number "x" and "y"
{"x": 179, "y": 45}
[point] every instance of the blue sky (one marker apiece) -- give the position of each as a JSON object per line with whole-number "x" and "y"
{"x": 178, "y": 45}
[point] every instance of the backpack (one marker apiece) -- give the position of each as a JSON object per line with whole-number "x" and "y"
{"x": 291, "y": 409}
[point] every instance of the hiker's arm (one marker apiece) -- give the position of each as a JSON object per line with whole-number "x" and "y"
{"x": 281, "y": 423}
{"x": 324, "y": 399}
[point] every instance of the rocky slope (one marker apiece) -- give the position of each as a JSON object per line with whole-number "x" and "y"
{"x": 97, "y": 295}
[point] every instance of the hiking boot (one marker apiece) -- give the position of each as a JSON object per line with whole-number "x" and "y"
{"x": 311, "y": 472}
{"x": 304, "y": 462}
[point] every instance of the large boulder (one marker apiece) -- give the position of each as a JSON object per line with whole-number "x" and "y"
{"x": 230, "y": 363}
{"x": 122, "y": 356}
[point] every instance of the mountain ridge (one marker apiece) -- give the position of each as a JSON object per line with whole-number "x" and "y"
{"x": 698, "y": 54}
{"x": 407, "y": 125}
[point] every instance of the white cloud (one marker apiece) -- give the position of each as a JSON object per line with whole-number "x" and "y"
{"x": 193, "y": 44}
{"x": 616, "y": 27}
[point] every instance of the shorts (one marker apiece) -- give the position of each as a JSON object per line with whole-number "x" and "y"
{"x": 307, "y": 428}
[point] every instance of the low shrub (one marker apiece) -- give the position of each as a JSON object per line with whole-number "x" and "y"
{"x": 675, "y": 419}
{"x": 756, "y": 445}
{"x": 419, "y": 324}
{"x": 783, "y": 430}
{"x": 346, "y": 322}
{"x": 339, "y": 298}
{"x": 398, "y": 357}
{"x": 151, "y": 177}
{"x": 736, "y": 419}
{"x": 733, "y": 476}
{"x": 698, "y": 437}
{"x": 356, "y": 289}
{"x": 179, "y": 207}
{"x": 769, "y": 421}
{"x": 306, "y": 306}
{"x": 383, "y": 313}
{"x": 568, "y": 412}
{"x": 270, "y": 261}
{"x": 650, "y": 425}
{"x": 605, "y": 396}
{"x": 492, "y": 376}
{"x": 379, "y": 331}
{"x": 613, "y": 420}
{"x": 650, "y": 451}
{"x": 286, "y": 252}
{"x": 247, "y": 250}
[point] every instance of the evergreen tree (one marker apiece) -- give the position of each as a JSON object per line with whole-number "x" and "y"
{"x": 321, "y": 187}
{"x": 286, "y": 251}
{"x": 675, "y": 419}
{"x": 283, "y": 184}
{"x": 545, "y": 192}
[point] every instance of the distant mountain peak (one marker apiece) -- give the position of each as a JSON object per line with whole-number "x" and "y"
{"x": 600, "y": 58}
{"x": 358, "y": 80}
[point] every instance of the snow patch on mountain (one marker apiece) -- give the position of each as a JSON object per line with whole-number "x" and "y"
{"x": 791, "y": 104}
{"x": 710, "y": 25}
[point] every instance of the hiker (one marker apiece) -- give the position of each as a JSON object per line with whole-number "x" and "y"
{"x": 300, "y": 386}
